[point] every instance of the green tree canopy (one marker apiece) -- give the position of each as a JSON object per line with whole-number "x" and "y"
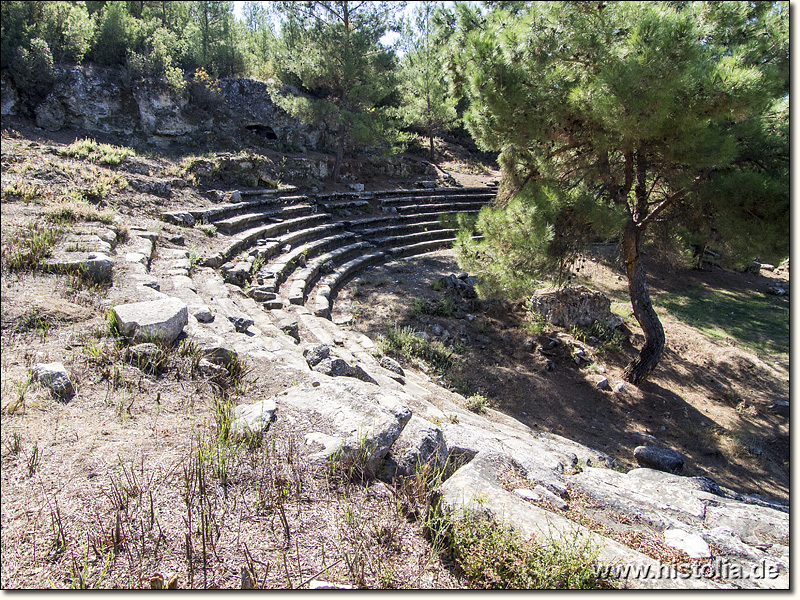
{"x": 427, "y": 103}
{"x": 332, "y": 51}
{"x": 639, "y": 115}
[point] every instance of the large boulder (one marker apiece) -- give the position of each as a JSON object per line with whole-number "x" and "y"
{"x": 574, "y": 306}
{"x": 157, "y": 321}
{"x": 662, "y": 459}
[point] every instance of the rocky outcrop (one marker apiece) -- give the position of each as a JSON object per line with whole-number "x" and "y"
{"x": 574, "y": 306}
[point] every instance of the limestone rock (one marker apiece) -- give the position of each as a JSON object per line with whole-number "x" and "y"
{"x": 54, "y": 377}
{"x": 202, "y": 313}
{"x": 208, "y": 369}
{"x": 250, "y": 419}
{"x": 559, "y": 503}
{"x": 420, "y": 443}
{"x": 663, "y": 459}
{"x": 348, "y": 416}
{"x": 159, "y": 321}
{"x": 527, "y": 494}
{"x": 392, "y": 365}
{"x": 290, "y": 327}
{"x": 602, "y": 383}
{"x": 217, "y": 352}
{"x": 690, "y": 543}
{"x": 240, "y": 324}
{"x": 574, "y": 306}
{"x": 316, "y": 354}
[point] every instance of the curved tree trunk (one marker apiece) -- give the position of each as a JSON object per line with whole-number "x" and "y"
{"x": 638, "y": 370}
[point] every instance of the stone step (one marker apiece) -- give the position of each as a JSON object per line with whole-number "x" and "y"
{"x": 267, "y": 248}
{"x": 390, "y": 230}
{"x": 421, "y": 199}
{"x": 304, "y": 279}
{"x": 232, "y": 224}
{"x": 277, "y": 271}
{"x": 441, "y": 208}
{"x": 329, "y": 284}
{"x": 378, "y": 194}
{"x": 248, "y": 237}
{"x": 421, "y": 247}
{"x": 187, "y": 217}
{"x": 344, "y": 204}
{"x": 396, "y": 219}
{"x": 413, "y": 238}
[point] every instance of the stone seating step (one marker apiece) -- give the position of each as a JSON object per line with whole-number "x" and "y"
{"x": 389, "y": 230}
{"x": 303, "y": 279}
{"x": 442, "y": 208}
{"x": 413, "y": 238}
{"x": 328, "y": 285}
{"x": 421, "y": 199}
{"x": 235, "y": 223}
{"x": 279, "y": 269}
{"x": 211, "y": 214}
{"x": 396, "y": 219}
{"x": 248, "y": 237}
{"x": 266, "y": 248}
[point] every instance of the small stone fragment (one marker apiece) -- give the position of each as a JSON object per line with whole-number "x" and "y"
{"x": 241, "y": 324}
{"x": 662, "y": 459}
{"x": 54, "y": 377}
{"x": 527, "y": 494}
{"x": 602, "y": 383}
{"x": 316, "y": 354}
{"x": 392, "y": 365}
{"x": 559, "y": 503}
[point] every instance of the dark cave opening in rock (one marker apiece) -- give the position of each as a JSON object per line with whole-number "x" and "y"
{"x": 264, "y": 131}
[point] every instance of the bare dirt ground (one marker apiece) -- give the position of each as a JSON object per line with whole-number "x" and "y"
{"x": 708, "y": 399}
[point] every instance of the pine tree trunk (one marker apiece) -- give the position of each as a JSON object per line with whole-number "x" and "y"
{"x": 649, "y": 356}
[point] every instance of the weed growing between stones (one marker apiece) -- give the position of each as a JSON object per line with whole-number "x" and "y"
{"x": 29, "y": 248}
{"x": 477, "y": 403}
{"x": 405, "y": 343}
{"x": 209, "y": 229}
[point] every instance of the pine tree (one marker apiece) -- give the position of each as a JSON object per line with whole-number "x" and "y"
{"x": 332, "y": 51}
{"x": 427, "y": 103}
{"x": 647, "y": 111}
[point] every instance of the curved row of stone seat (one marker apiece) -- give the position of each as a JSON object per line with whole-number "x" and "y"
{"x": 304, "y": 279}
{"x": 452, "y": 199}
{"x": 276, "y": 272}
{"x": 187, "y": 217}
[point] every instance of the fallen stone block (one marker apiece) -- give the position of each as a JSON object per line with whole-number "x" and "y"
{"x": 158, "y": 321}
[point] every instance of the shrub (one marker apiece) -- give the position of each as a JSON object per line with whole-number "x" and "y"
{"x": 494, "y": 556}
{"x": 33, "y": 70}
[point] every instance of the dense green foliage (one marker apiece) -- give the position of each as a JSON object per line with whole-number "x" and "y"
{"x": 427, "y": 104}
{"x": 331, "y": 51}
{"x": 657, "y": 117}
{"x": 153, "y": 38}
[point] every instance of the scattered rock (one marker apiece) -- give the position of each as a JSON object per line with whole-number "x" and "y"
{"x": 437, "y": 330}
{"x": 356, "y": 187}
{"x": 529, "y": 345}
{"x": 202, "y": 313}
{"x": 421, "y": 443}
{"x": 392, "y": 365}
{"x": 217, "y": 352}
{"x": 780, "y": 407}
{"x": 602, "y": 383}
{"x": 620, "y": 387}
{"x": 159, "y": 321}
{"x": 55, "y": 378}
{"x": 208, "y": 369}
{"x": 178, "y": 240}
{"x": 662, "y": 459}
{"x": 527, "y": 494}
{"x": 253, "y": 419}
{"x": 240, "y": 324}
{"x": 290, "y": 327}
{"x": 316, "y": 584}
{"x": 422, "y": 335}
{"x": 559, "y": 503}
{"x": 690, "y": 543}
{"x": 316, "y": 354}
{"x": 261, "y": 294}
